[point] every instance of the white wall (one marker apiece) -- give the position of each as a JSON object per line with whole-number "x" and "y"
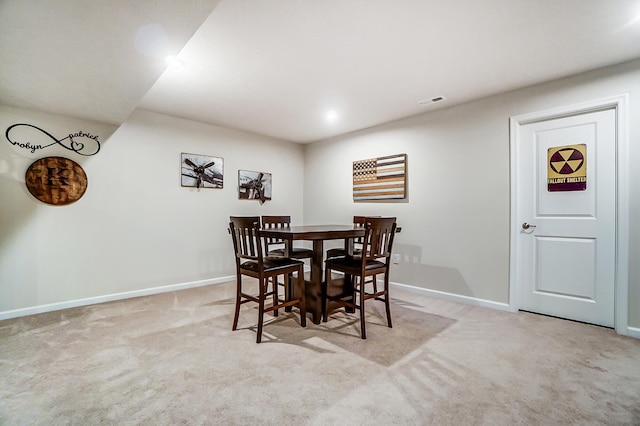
{"x": 455, "y": 235}
{"x": 135, "y": 228}
{"x": 455, "y": 180}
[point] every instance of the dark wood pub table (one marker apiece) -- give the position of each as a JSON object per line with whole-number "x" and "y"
{"x": 318, "y": 234}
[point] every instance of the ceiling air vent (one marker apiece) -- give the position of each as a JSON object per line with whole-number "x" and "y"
{"x": 433, "y": 100}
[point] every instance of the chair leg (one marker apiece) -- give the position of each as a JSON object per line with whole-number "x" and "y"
{"x": 274, "y": 282}
{"x": 386, "y": 299}
{"x": 288, "y": 290}
{"x": 238, "y": 292}
{"x": 261, "y": 309}
{"x": 323, "y": 294}
{"x": 351, "y": 286}
{"x": 362, "y": 293}
{"x": 303, "y": 302}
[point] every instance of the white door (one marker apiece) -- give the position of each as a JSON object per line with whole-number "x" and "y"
{"x": 566, "y": 203}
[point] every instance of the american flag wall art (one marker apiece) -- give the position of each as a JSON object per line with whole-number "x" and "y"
{"x": 382, "y": 178}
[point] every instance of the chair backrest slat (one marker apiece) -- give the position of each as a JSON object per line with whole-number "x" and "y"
{"x": 245, "y": 232}
{"x": 378, "y": 239}
{"x": 275, "y": 222}
{"x": 359, "y": 222}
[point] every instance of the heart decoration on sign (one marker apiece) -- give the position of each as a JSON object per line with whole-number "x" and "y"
{"x": 77, "y": 146}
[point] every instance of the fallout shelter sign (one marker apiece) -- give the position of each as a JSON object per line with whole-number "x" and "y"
{"x": 567, "y": 168}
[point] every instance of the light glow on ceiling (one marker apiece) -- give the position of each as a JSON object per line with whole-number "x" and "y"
{"x": 174, "y": 62}
{"x": 152, "y": 40}
{"x": 633, "y": 22}
{"x": 331, "y": 116}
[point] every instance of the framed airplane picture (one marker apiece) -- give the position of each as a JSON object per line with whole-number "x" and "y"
{"x": 201, "y": 171}
{"x": 254, "y": 185}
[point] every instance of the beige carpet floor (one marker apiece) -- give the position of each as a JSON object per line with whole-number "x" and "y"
{"x": 172, "y": 359}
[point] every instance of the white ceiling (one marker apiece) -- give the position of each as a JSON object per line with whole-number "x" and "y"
{"x": 275, "y": 67}
{"x": 92, "y": 59}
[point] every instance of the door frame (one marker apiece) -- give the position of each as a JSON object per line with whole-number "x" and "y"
{"x": 621, "y": 285}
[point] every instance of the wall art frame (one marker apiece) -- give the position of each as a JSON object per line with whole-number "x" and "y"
{"x": 57, "y": 181}
{"x": 254, "y": 185}
{"x": 380, "y": 179}
{"x": 201, "y": 171}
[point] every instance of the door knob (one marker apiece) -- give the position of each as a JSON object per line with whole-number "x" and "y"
{"x": 527, "y": 226}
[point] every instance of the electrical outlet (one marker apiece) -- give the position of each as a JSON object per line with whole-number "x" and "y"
{"x": 395, "y": 258}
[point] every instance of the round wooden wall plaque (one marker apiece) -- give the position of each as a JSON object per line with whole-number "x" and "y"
{"x": 56, "y": 180}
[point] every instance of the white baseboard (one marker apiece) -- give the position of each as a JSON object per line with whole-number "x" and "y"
{"x": 15, "y": 313}
{"x": 633, "y": 332}
{"x": 455, "y": 297}
{"x": 629, "y": 331}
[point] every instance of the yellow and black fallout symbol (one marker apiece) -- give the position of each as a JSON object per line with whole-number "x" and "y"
{"x": 566, "y": 161}
{"x": 567, "y": 168}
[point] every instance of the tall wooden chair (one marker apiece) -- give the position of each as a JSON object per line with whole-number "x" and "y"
{"x": 270, "y": 222}
{"x": 247, "y": 245}
{"x": 358, "y": 221}
{"x": 374, "y": 260}
{"x": 275, "y": 246}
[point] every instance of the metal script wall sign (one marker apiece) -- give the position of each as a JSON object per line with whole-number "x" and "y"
{"x": 567, "y": 168}
{"x": 382, "y": 178}
{"x": 33, "y": 138}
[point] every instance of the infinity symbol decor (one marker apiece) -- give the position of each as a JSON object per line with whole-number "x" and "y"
{"x": 90, "y": 146}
